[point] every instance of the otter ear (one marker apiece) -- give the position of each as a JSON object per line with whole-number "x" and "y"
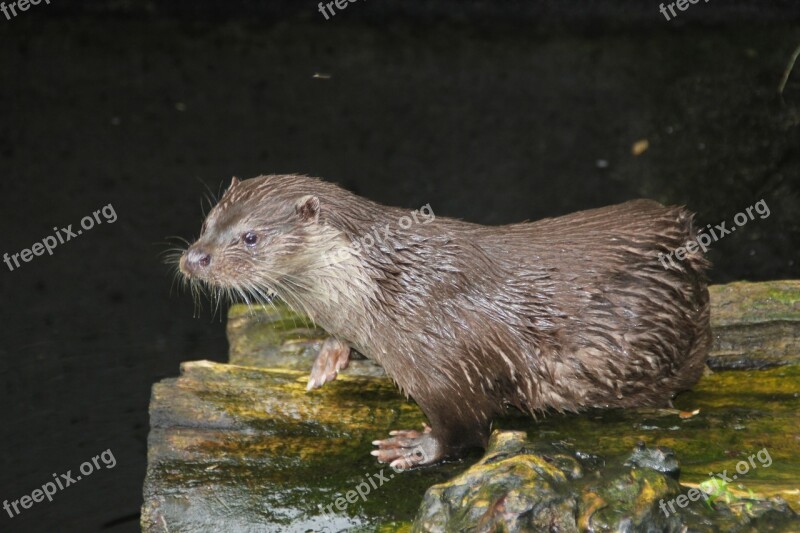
{"x": 307, "y": 208}
{"x": 234, "y": 182}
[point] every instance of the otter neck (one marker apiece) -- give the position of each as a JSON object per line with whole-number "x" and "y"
{"x": 334, "y": 289}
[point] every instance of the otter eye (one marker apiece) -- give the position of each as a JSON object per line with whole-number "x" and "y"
{"x": 250, "y": 238}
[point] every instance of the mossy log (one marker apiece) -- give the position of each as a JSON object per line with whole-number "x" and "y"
{"x": 755, "y": 325}
{"x": 243, "y": 447}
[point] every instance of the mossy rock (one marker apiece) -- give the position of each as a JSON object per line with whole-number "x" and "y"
{"x": 243, "y": 447}
{"x": 521, "y": 486}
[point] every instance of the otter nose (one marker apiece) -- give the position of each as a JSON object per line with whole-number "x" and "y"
{"x": 195, "y": 261}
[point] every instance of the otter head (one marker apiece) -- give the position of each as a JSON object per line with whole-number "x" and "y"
{"x": 258, "y": 241}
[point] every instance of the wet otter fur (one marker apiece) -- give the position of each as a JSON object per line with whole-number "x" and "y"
{"x": 554, "y": 315}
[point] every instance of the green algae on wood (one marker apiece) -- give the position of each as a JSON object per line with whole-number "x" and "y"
{"x": 755, "y": 325}
{"x": 274, "y": 336}
{"x": 246, "y": 447}
{"x": 271, "y": 336}
{"x": 749, "y": 302}
{"x": 741, "y": 413}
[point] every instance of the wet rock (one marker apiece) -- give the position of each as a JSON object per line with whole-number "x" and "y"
{"x": 514, "y": 488}
{"x": 243, "y": 447}
{"x": 659, "y": 459}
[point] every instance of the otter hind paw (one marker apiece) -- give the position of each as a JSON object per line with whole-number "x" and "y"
{"x": 408, "y": 448}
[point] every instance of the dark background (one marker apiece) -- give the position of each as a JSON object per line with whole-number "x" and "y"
{"x": 490, "y": 111}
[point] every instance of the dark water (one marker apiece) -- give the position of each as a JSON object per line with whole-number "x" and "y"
{"x": 493, "y": 123}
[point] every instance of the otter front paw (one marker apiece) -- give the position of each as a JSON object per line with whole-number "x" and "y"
{"x": 333, "y": 357}
{"x": 408, "y": 448}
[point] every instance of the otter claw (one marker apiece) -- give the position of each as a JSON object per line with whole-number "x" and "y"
{"x": 333, "y": 357}
{"x": 408, "y": 448}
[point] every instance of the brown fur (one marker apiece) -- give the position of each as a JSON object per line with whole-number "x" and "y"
{"x": 559, "y": 314}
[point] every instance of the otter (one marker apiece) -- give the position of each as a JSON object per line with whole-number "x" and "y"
{"x": 556, "y": 315}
